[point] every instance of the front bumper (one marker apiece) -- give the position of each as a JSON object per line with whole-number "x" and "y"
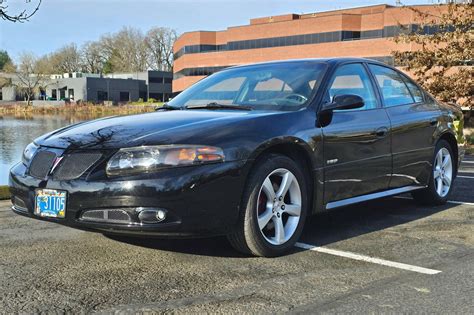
{"x": 199, "y": 200}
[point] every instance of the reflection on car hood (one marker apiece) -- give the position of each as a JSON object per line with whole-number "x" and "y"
{"x": 144, "y": 129}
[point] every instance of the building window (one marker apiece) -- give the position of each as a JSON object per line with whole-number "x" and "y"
{"x": 102, "y": 96}
{"x": 168, "y": 80}
{"x": 70, "y": 93}
{"x": 156, "y": 96}
{"x": 156, "y": 80}
{"x": 124, "y": 96}
{"x": 62, "y": 94}
{"x": 54, "y": 94}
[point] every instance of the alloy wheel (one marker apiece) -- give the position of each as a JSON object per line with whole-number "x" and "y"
{"x": 279, "y": 206}
{"x": 443, "y": 172}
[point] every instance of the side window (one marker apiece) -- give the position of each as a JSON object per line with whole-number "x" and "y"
{"x": 353, "y": 79}
{"x": 415, "y": 90}
{"x": 394, "y": 90}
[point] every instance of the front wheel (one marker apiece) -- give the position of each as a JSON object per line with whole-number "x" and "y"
{"x": 274, "y": 208}
{"x": 442, "y": 177}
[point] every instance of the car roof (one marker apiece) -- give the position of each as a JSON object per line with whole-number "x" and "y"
{"x": 333, "y": 61}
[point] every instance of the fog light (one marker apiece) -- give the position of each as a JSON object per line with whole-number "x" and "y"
{"x": 147, "y": 215}
{"x": 161, "y": 215}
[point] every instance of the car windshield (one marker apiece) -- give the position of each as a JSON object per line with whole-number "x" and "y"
{"x": 277, "y": 86}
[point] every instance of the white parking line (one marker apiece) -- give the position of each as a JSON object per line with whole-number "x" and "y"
{"x": 369, "y": 259}
{"x": 449, "y": 201}
{"x": 461, "y": 203}
{"x": 462, "y": 176}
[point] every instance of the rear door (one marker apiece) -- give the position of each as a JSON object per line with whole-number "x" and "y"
{"x": 356, "y": 142}
{"x": 414, "y": 121}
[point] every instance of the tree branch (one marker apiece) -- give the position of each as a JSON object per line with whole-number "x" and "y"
{"x": 20, "y": 17}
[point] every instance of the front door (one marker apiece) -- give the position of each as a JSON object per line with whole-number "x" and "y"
{"x": 357, "y": 150}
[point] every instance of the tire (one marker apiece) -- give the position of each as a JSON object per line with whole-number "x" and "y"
{"x": 273, "y": 214}
{"x": 441, "y": 178}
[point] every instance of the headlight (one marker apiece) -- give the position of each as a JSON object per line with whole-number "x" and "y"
{"x": 28, "y": 153}
{"x": 150, "y": 158}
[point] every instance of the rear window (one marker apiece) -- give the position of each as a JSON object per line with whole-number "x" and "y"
{"x": 394, "y": 90}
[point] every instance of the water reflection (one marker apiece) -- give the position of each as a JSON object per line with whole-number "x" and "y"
{"x": 16, "y": 131}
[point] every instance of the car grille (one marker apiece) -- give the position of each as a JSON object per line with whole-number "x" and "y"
{"x": 41, "y": 164}
{"x": 72, "y": 165}
{"x": 75, "y": 165}
{"x": 110, "y": 216}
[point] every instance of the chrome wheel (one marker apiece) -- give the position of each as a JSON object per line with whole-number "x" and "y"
{"x": 279, "y": 206}
{"x": 443, "y": 172}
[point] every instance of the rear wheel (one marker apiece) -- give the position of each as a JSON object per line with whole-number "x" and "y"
{"x": 442, "y": 177}
{"x": 274, "y": 208}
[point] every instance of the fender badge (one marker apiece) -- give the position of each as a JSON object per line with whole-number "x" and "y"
{"x": 333, "y": 161}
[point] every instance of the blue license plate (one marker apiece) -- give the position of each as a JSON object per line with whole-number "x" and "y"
{"x": 50, "y": 203}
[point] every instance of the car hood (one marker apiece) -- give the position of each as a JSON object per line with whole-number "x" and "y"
{"x": 145, "y": 129}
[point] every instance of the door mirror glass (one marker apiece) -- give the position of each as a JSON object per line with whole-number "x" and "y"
{"x": 345, "y": 101}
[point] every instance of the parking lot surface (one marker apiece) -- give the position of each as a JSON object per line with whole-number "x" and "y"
{"x": 386, "y": 256}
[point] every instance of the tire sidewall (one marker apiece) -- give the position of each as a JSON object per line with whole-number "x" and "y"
{"x": 262, "y": 170}
{"x": 432, "y": 186}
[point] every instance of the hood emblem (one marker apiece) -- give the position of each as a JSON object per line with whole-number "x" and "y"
{"x": 56, "y": 163}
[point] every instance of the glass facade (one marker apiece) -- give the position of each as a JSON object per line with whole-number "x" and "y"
{"x": 306, "y": 39}
{"x": 205, "y": 71}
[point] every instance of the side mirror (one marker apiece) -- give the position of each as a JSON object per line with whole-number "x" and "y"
{"x": 345, "y": 101}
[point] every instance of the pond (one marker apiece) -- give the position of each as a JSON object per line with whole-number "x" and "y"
{"x": 16, "y": 132}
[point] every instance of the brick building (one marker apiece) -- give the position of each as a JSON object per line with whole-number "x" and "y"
{"x": 357, "y": 32}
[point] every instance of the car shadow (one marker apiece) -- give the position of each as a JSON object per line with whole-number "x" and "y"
{"x": 356, "y": 220}
{"x": 320, "y": 230}
{"x": 210, "y": 246}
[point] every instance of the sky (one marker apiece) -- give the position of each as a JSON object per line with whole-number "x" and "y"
{"x": 60, "y": 22}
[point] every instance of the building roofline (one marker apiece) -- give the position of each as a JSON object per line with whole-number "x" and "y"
{"x": 388, "y": 6}
{"x": 322, "y": 60}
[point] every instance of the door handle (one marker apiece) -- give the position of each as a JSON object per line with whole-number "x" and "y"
{"x": 381, "y": 132}
{"x": 434, "y": 122}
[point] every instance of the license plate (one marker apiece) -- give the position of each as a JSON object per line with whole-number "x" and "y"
{"x": 50, "y": 203}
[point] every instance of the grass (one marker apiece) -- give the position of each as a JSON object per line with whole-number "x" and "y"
{"x": 4, "y": 193}
{"x": 87, "y": 108}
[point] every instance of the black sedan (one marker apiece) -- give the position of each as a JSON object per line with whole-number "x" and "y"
{"x": 248, "y": 152}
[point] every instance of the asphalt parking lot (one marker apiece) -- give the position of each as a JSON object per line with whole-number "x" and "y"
{"x": 387, "y": 256}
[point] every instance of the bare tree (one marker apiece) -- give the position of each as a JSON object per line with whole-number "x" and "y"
{"x": 21, "y": 16}
{"x": 160, "y": 41}
{"x": 29, "y": 77}
{"x": 67, "y": 59}
{"x": 126, "y": 50}
{"x": 94, "y": 57}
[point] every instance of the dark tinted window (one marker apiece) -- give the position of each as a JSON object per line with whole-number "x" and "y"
{"x": 394, "y": 90}
{"x": 353, "y": 79}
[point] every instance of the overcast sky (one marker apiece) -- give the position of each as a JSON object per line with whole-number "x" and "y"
{"x": 60, "y": 22}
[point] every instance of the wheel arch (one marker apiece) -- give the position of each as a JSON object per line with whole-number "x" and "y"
{"x": 297, "y": 150}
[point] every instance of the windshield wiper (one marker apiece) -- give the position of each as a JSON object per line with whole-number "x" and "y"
{"x": 214, "y": 105}
{"x": 165, "y": 106}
